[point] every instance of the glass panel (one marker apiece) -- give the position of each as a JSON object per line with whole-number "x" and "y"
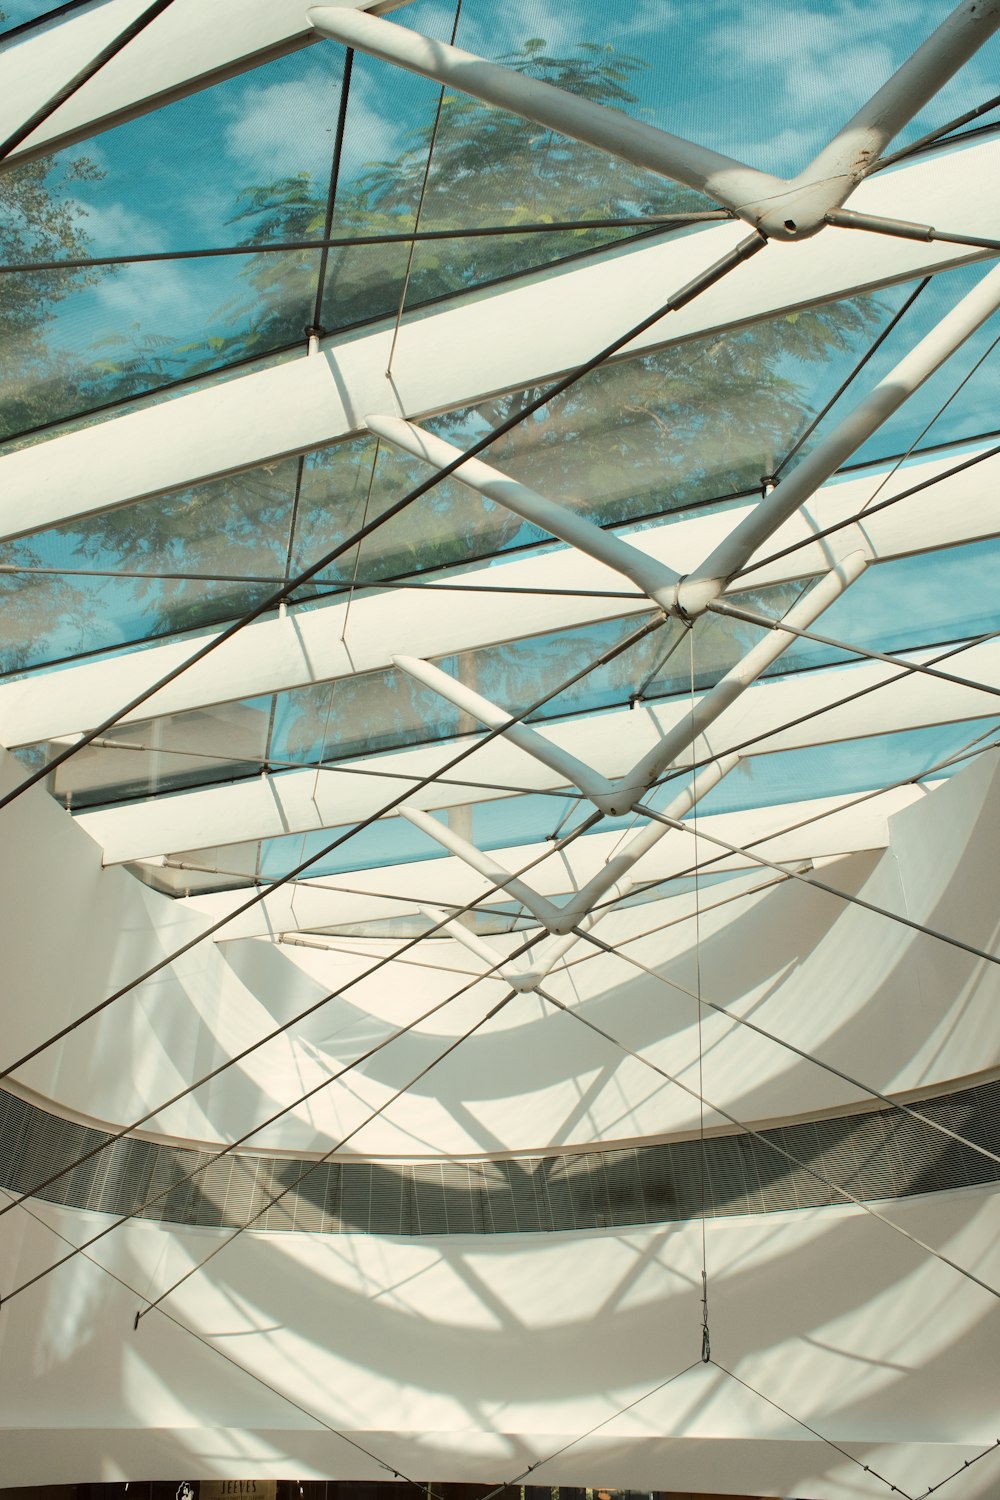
{"x": 232, "y": 533}
{"x": 75, "y": 338}
{"x": 180, "y": 750}
{"x": 930, "y": 416}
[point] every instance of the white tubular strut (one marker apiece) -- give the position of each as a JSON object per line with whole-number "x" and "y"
{"x": 736, "y": 681}
{"x": 709, "y": 580}
{"x": 600, "y": 791}
{"x": 541, "y": 909}
{"x": 654, "y": 578}
{"x": 721, "y": 177}
{"x": 611, "y": 878}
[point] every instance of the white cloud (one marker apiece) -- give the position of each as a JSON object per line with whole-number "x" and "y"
{"x": 282, "y": 129}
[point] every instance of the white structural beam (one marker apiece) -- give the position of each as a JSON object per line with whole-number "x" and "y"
{"x": 781, "y": 209}
{"x": 309, "y": 644}
{"x": 518, "y": 334}
{"x": 302, "y": 801}
{"x": 190, "y": 46}
{"x": 361, "y": 895}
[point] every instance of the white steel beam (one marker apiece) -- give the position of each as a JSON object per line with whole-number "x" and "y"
{"x": 522, "y": 333}
{"x": 450, "y": 882}
{"x": 309, "y": 644}
{"x": 303, "y": 801}
{"x": 190, "y": 46}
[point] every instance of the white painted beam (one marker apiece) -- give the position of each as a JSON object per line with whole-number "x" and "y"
{"x": 302, "y": 801}
{"x": 307, "y": 645}
{"x": 359, "y": 896}
{"x": 518, "y": 334}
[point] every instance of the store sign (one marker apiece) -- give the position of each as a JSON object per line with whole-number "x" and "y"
{"x": 237, "y": 1489}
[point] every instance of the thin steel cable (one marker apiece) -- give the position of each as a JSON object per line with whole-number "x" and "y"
{"x": 830, "y": 890}
{"x": 344, "y": 838}
{"x": 893, "y": 322}
{"x": 772, "y": 1145}
{"x": 404, "y": 288}
{"x": 501, "y": 1488}
{"x": 333, "y": 592}
{"x": 322, "y": 1160}
{"x": 82, "y": 76}
{"x": 926, "y": 429}
{"x": 214, "y": 1348}
{"x": 706, "y": 1336}
{"x": 747, "y": 247}
{"x": 331, "y": 194}
{"x": 335, "y": 768}
{"x": 817, "y": 1434}
{"x": 650, "y": 223}
{"x": 955, "y": 1473}
{"x": 357, "y": 556}
{"x": 768, "y": 622}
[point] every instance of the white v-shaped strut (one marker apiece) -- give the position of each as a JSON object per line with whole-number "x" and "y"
{"x": 610, "y": 879}
{"x": 654, "y": 578}
{"x": 617, "y": 798}
{"x": 781, "y": 209}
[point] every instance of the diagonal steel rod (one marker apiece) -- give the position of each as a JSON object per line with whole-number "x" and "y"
{"x": 770, "y": 1036}
{"x": 821, "y": 885}
{"x": 752, "y": 617}
{"x": 906, "y": 229}
{"x": 699, "y": 284}
{"x": 932, "y": 136}
{"x": 621, "y": 1412}
{"x": 771, "y": 1145}
{"x": 322, "y": 1160}
{"x": 649, "y": 222}
{"x": 849, "y": 380}
{"x": 815, "y": 1432}
{"x": 68, "y": 89}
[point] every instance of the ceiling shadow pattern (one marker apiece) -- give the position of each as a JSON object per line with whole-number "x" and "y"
{"x": 874, "y": 1154}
